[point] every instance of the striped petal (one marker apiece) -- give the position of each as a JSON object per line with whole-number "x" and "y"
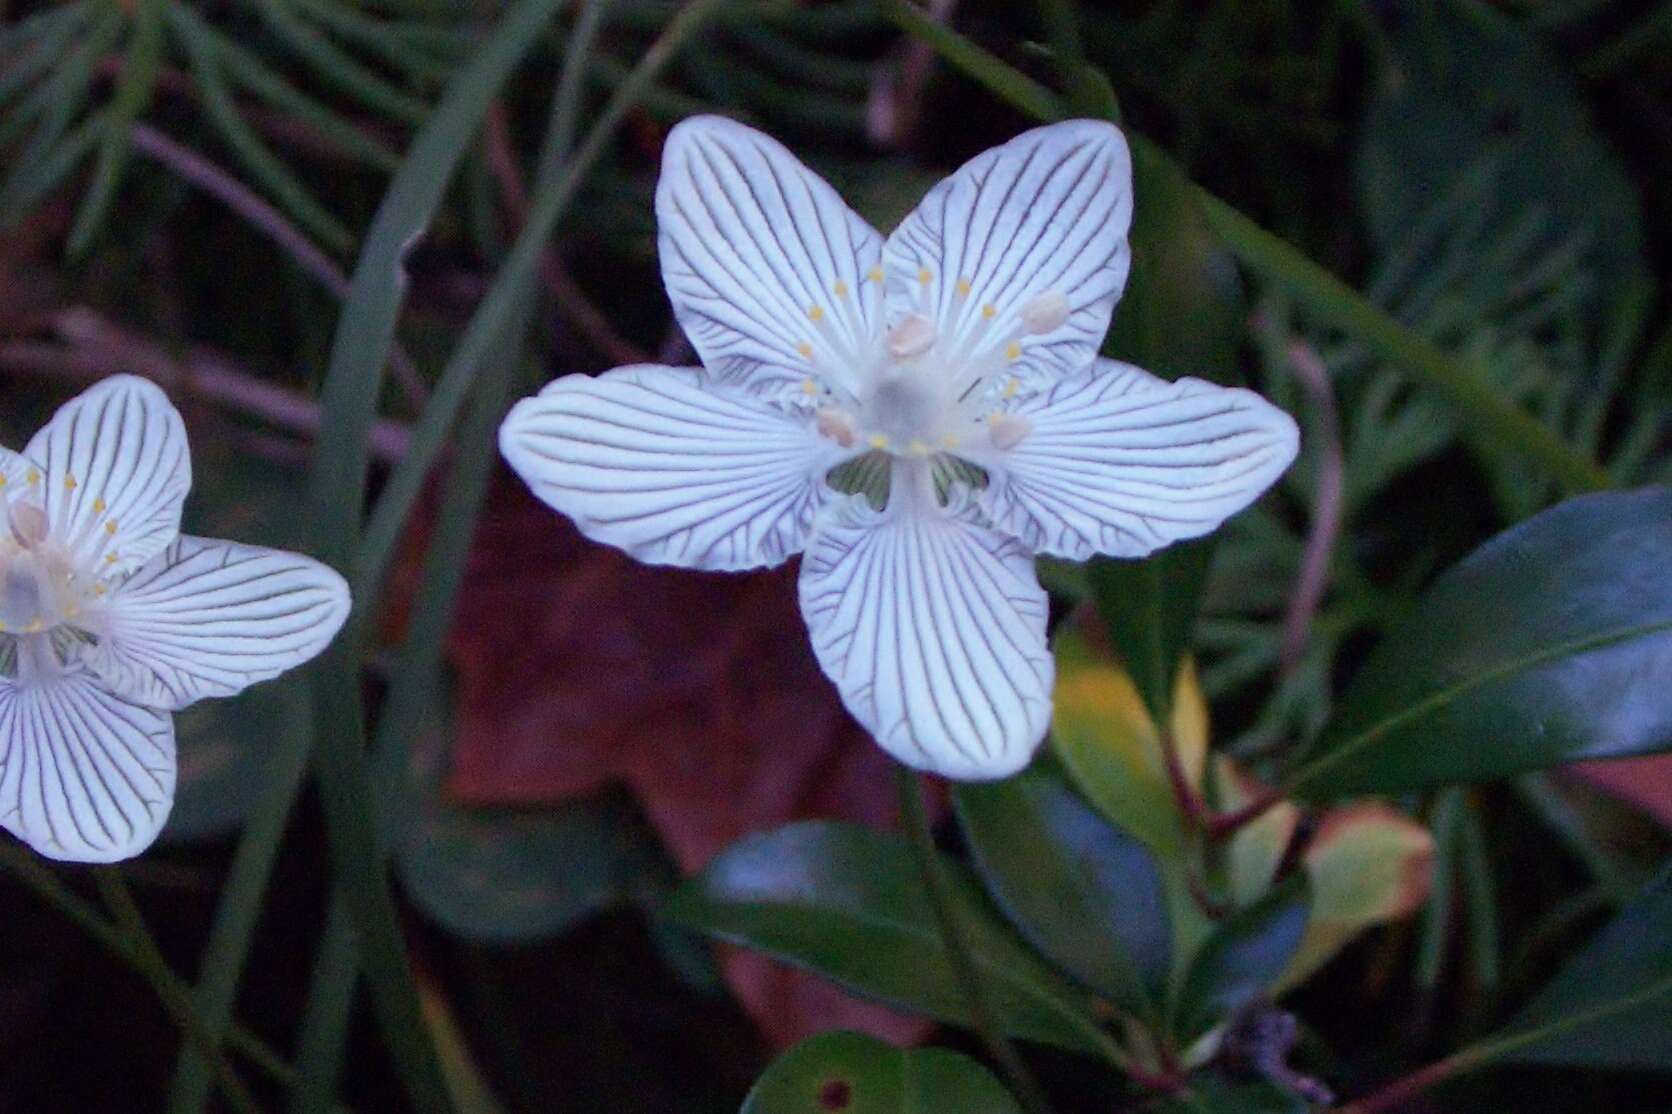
{"x": 116, "y": 471}
{"x": 85, "y": 776}
{"x": 932, "y": 625}
{"x": 17, "y": 473}
{"x": 1121, "y": 462}
{"x": 1024, "y": 246}
{"x": 210, "y": 618}
{"x": 772, "y": 277}
{"x": 672, "y": 467}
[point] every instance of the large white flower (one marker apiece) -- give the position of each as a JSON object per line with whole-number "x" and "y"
{"x": 920, "y": 414}
{"x": 110, "y": 620}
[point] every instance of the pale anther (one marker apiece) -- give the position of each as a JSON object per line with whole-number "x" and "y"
{"x": 1045, "y": 312}
{"x": 835, "y": 425}
{"x": 924, "y": 276}
{"x": 840, "y": 289}
{"x": 1012, "y": 387}
{"x": 963, "y": 287}
{"x": 1007, "y": 430}
{"x": 879, "y": 441}
{"x": 989, "y": 311}
{"x": 911, "y": 337}
{"x": 874, "y": 274}
{"x": 69, "y": 482}
{"x": 1013, "y": 351}
{"x": 815, "y": 313}
{"x": 808, "y": 387}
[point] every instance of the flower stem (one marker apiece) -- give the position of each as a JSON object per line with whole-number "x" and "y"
{"x": 916, "y": 820}
{"x": 149, "y": 961}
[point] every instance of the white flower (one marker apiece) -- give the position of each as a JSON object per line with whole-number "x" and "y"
{"x": 110, "y": 620}
{"x": 920, "y": 414}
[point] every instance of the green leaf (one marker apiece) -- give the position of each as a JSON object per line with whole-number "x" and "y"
{"x": 1087, "y": 895}
{"x": 1549, "y": 644}
{"x": 505, "y": 876}
{"x": 849, "y": 903}
{"x": 1209, "y": 1094}
{"x": 1611, "y": 1005}
{"x": 851, "y": 1073}
{"x": 1243, "y": 959}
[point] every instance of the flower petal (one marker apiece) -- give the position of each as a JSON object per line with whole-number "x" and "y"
{"x": 1121, "y": 462}
{"x": 1026, "y": 245}
{"x": 772, "y": 277}
{"x": 17, "y": 472}
{"x": 117, "y": 470}
{"x": 210, "y": 618}
{"x": 85, "y": 776}
{"x": 933, "y": 627}
{"x": 672, "y": 467}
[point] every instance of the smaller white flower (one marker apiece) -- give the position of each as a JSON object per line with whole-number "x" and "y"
{"x": 920, "y": 414}
{"x": 110, "y": 620}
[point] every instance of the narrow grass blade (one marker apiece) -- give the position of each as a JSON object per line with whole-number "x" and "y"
{"x": 132, "y": 97}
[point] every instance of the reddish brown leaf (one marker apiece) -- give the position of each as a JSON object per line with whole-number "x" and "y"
{"x": 578, "y": 667}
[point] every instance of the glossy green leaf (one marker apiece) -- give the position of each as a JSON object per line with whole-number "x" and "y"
{"x": 1549, "y": 644}
{"x": 1611, "y": 1005}
{"x": 1243, "y": 959}
{"x": 851, "y": 1073}
{"x": 849, "y": 903}
{"x": 1090, "y": 897}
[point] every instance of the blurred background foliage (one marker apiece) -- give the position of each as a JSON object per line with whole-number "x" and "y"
{"x": 185, "y": 189}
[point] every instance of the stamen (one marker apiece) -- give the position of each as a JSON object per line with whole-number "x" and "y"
{"x": 836, "y": 425}
{"x": 963, "y": 287}
{"x": 879, "y": 441}
{"x": 1007, "y": 430}
{"x": 110, "y": 527}
{"x": 950, "y": 441}
{"x": 1013, "y": 351}
{"x": 69, "y": 482}
{"x": 913, "y": 336}
{"x": 32, "y": 478}
{"x": 1045, "y": 312}
{"x": 917, "y": 448}
{"x": 1012, "y": 387}
{"x": 923, "y": 275}
{"x": 840, "y": 289}
{"x": 809, "y": 388}
{"x": 805, "y": 349}
{"x": 98, "y": 506}
{"x": 815, "y": 313}
{"x": 28, "y": 523}
{"x": 874, "y": 274}
{"x": 989, "y": 311}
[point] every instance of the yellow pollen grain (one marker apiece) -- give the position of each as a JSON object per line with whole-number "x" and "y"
{"x": 963, "y": 287}
{"x": 874, "y": 274}
{"x": 805, "y": 349}
{"x": 98, "y": 506}
{"x": 924, "y": 276}
{"x": 110, "y": 527}
{"x": 879, "y": 441}
{"x": 815, "y": 313}
{"x": 808, "y": 387}
{"x": 840, "y": 289}
{"x": 989, "y": 311}
{"x": 69, "y": 483}
{"x": 1013, "y": 351}
{"x": 1012, "y": 387}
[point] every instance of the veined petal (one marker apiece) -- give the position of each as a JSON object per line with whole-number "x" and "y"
{"x": 772, "y": 277}
{"x": 117, "y": 470}
{"x": 1023, "y": 246}
{"x": 932, "y": 625}
{"x": 1121, "y": 462}
{"x": 210, "y": 618}
{"x": 672, "y": 467}
{"x": 85, "y": 776}
{"x": 17, "y": 473}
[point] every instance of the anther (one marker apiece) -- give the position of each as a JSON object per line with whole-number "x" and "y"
{"x": 98, "y": 506}
{"x": 69, "y": 482}
{"x": 989, "y": 311}
{"x": 835, "y": 425}
{"x": 33, "y": 477}
{"x": 808, "y": 387}
{"x": 874, "y": 274}
{"x": 950, "y": 441}
{"x": 913, "y": 336}
{"x": 110, "y": 527}
{"x": 879, "y": 441}
{"x": 923, "y": 275}
{"x": 1012, "y": 387}
{"x": 840, "y": 289}
{"x": 1045, "y": 312}
{"x": 815, "y": 313}
{"x": 1007, "y": 430}
{"x": 963, "y": 287}
{"x": 917, "y": 448}
{"x": 805, "y": 349}
{"x": 1013, "y": 351}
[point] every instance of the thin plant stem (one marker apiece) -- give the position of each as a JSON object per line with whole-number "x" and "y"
{"x": 175, "y": 998}
{"x": 916, "y": 820}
